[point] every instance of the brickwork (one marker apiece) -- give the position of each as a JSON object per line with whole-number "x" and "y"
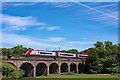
{"x": 47, "y": 60}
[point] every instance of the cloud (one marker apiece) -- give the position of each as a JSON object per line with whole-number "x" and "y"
{"x": 19, "y": 23}
{"x": 104, "y": 6}
{"x": 41, "y": 27}
{"x": 60, "y": 0}
{"x": 53, "y": 28}
{"x": 107, "y": 20}
{"x": 80, "y": 42}
{"x": 19, "y": 4}
{"x": 60, "y": 4}
{"x": 50, "y": 28}
{"x": 95, "y": 10}
{"x": 15, "y": 39}
{"x": 22, "y": 4}
{"x": 53, "y": 39}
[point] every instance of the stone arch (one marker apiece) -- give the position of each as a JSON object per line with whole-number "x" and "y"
{"x": 73, "y": 67}
{"x": 28, "y": 69}
{"x": 81, "y": 68}
{"x": 41, "y": 69}
{"x": 53, "y": 68}
{"x": 64, "y": 67}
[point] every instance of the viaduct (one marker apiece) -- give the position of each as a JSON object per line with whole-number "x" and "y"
{"x": 45, "y": 65}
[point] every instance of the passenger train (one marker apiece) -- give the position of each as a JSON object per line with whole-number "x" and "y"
{"x": 51, "y": 53}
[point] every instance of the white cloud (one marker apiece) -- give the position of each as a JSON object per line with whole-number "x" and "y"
{"x": 50, "y": 28}
{"x": 56, "y": 39}
{"x": 104, "y": 6}
{"x": 41, "y": 27}
{"x": 106, "y": 19}
{"x": 91, "y": 8}
{"x": 60, "y": 0}
{"x": 26, "y": 3}
{"x": 15, "y": 39}
{"x": 61, "y": 4}
{"x": 53, "y": 39}
{"x": 19, "y": 23}
{"x": 19, "y": 4}
{"x": 80, "y": 42}
{"x": 53, "y": 28}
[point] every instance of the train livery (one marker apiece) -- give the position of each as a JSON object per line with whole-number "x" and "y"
{"x": 51, "y": 53}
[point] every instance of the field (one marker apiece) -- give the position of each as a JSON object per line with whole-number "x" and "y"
{"x": 72, "y": 77}
{"x": 79, "y": 76}
{"x": 75, "y": 77}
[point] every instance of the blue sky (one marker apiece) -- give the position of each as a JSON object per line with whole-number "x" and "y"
{"x": 68, "y": 25}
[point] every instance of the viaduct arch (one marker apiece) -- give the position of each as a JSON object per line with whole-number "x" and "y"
{"x": 45, "y": 65}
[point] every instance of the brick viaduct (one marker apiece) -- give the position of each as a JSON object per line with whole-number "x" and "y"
{"x": 45, "y": 65}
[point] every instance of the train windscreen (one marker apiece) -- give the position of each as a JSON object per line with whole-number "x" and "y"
{"x": 25, "y": 51}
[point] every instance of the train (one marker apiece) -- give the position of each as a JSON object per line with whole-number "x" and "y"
{"x": 52, "y": 53}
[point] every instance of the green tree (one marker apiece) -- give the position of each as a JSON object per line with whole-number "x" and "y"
{"x": 103, "y": 58}
{"x": 15, "y": 51}
{"x": 72, "y": 51}
{"x": 10, "y": 71}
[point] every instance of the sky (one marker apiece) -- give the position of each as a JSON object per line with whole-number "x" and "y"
{"x": 68, "y": 25}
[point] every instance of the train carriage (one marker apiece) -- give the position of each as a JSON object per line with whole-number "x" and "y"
{"x": 51, "y": 53}
{"x": 66, "y": 54}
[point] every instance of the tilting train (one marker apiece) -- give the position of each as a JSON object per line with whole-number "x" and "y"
{"x": 51, "y": 53}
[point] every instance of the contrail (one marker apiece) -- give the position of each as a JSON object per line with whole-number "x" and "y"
{"x": 95, "y": 9}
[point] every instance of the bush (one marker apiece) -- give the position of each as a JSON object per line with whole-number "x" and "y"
{"x": 68, "y": 73}
{"x": 11, "y": 71}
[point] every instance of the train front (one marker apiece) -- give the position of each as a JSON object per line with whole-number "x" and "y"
{"x": 27, "y": 53}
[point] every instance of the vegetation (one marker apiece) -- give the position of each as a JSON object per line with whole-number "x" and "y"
{"x": 15, "y": 51}
{"x": 78, "y": 76}
{"x": 104, "y": 58}
{"x": 72, "y": 77}
{"x": 68, "y": 73}
{"x": 10, "y": 71}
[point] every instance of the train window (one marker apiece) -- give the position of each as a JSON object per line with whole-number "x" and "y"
{"x": 29, "y": 51}
{"x": 44, "y": 53}
{"x": 25, "y": 51}
{"x": 66, "y": 54}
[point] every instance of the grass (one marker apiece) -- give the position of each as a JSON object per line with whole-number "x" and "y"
{"x": 72, "y": 77}
{"x": 75, "y": 77}
{"x": 79, "y": 76}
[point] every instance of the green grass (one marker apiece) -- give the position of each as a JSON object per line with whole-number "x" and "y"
{"x": 79, "y": 76}
{"x": 72, "y": 77}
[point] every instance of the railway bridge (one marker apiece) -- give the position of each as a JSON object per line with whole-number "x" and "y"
{"x": 45, "y": 65}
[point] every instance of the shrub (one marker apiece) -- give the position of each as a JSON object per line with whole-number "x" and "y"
{"x": 11, "y": 71}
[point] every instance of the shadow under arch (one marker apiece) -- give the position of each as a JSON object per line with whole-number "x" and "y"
{"x": 81, "y": 68}
{"x": 41, "y": 69}
{"x": 73, "y": 68}
{"x": 54, "y": 68}
{"x": 64, "y": 67}
{"x": 28, "y": 69}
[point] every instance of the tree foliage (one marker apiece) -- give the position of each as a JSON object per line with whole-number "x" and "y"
{"x": 15, "y": 51}
{"x": 103, "y": 58}
{"x": 8, "y": 70}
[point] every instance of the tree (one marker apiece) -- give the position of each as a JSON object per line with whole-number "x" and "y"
{"x": 15, "y": 51}
{"x": 92, "y": 61}
{"x": 99, "y": 44}
{"x": 8, "y": 70}
{"x": 72, "y": 51}
{"x": 103, "y": 58}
